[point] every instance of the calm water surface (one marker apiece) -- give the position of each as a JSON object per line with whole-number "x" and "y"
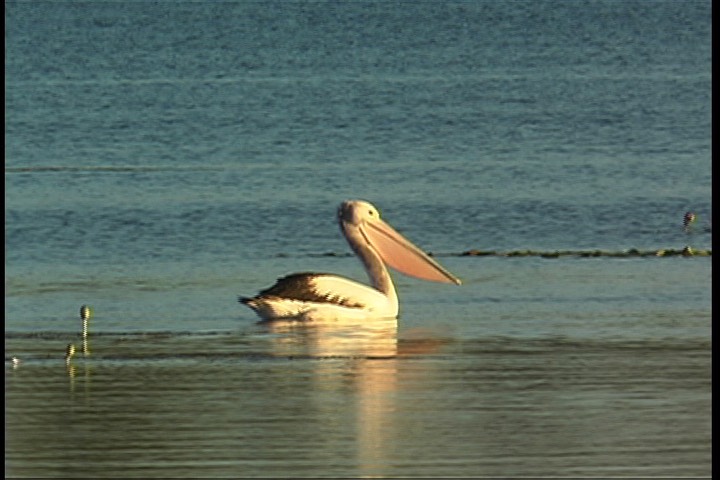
{"x": 162, "y": 159}
{"x": 602, "y": 381}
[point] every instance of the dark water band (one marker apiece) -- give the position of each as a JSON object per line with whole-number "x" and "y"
{"x": 632, "y": 252}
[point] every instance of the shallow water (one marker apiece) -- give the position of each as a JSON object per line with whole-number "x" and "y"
{"x": 512, "y": 385}
{"x": 255, "y": 404}
{"x": 162, "y": 159}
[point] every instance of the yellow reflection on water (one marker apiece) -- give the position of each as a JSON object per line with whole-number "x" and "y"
{"x": 337, "y": 338}
{"x": 370, "y": 350}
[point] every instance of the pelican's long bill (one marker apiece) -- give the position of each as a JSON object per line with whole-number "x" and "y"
{"x": 403, "y": 255}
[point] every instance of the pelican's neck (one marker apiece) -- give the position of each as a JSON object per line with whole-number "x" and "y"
{"x": 374, "y": 266}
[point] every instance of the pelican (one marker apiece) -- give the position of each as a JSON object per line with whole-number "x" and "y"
{"x": 325, "y": 296}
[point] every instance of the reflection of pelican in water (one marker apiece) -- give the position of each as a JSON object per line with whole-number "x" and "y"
{"x": 355, "y": 379}
{"x": 323, "y": 296}
{"x": 345, "y": 338}
{"x": 356, "y": 371}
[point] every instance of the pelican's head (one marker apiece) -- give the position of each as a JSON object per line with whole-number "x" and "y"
{"x": 355, "y": 212}
{"x": 360, "y": 222}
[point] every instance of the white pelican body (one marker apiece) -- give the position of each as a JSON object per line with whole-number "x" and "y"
{"x": 324, "y": 296}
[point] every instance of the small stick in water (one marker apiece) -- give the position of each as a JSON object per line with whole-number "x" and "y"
{"x": 688, "y": 220}
{"x": 69, "y": 352}
{"x": 85, "y": 314}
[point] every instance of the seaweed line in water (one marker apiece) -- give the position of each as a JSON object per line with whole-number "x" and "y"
{"x": 686, "y": 251}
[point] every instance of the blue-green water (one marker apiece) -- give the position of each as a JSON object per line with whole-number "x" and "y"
{"x": 163, "y": 158}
